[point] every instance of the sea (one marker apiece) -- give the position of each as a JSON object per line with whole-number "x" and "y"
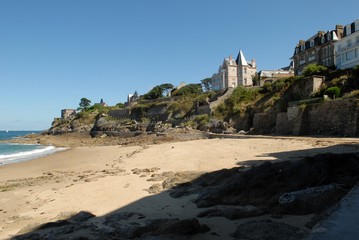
{"x": 14, "y": 152}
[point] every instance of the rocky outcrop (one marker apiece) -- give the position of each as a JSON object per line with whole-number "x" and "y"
{"x": 262, "y": 186}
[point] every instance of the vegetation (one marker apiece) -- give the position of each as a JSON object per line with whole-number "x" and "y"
{"x": 314, "y": 69}
{"x": 158, "y": 91}
{"x": 207, "y": 84}
{"x": 256, "y": 79}
{"x": 333, "y": 92}
{"x": 188, "y": 89}
{"x": 237, "y": 102}
{"x": 84, "y": 104}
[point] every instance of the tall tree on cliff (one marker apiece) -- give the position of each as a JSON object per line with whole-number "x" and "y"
{"x": 84, "y": 104}
{"x": 207, "y": 84}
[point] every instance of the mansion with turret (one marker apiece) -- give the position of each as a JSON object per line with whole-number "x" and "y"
{"x": 233, "y": 73}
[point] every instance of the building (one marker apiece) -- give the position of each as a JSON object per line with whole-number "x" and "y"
{"x": 319, "y": 49}
{"x": 246, "y": 70}
{"x": 347, "y": 49}
{"x": 68, "y": 113}
{"x": 101, "y": 103}
{"x": 273, "y": 75}
{"x": 233, "y": 73}
{"x": 226, "y": 77}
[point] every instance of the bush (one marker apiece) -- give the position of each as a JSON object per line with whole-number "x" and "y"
{"x": 333, "y": 92}
{"x": 266, "y": 88}
{"x": 315, "y": 69}
{"x": 188, "y": 89}
{"x": 352, "y": 94}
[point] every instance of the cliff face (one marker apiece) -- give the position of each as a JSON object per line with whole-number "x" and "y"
{"x": 286, "y": 109}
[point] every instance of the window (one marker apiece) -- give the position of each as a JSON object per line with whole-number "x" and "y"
{"x": 357, "y": 41}
{"x": 311, "y": 56}
{"x": 350, "y": 55}
{"x": 312, "y": 43}
{"x": 302, "y": 47}
{"x": 349, "y": 43}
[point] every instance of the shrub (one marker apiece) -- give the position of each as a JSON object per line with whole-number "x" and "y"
{"x": 201, "y": 120}
{"x": 278, "y": 85}
{"x": 188, "y": 89}
{"x": 333, "y": 92}
{"x": 315, "y": 69}
{"x": 352, "y": 94}
{"x": 266, "y": 88}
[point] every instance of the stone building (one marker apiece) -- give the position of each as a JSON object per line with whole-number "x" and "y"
{"x": 246, "y": 70}
{"x": 67, "y": 113}
{"x": 233, "y": 73}
{"x": 226, "y": 77}
{"x": 132, "y": 99}
{"x": 319, "y": 49}
{"x": 273, "y": 75}
{"x": 347, "y": 48}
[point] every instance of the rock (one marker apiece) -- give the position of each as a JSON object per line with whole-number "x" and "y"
{"x": 232, "y": 212}
{"x": 155, "y": 189}
{"x": 170, "y": 227}
{"x": 262, "y": 185}
{"x": 268, "y": 230}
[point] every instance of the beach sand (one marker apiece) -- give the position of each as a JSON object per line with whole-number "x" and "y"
{"x": 107, "y": 179}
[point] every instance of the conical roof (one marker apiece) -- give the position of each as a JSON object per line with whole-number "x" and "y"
{"x": 241, "y": 60}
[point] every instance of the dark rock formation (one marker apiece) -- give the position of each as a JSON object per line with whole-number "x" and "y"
{"x": 263, "y": 185}
{"x": 267, "y": 230}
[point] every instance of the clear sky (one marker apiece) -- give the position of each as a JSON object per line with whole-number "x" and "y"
{"x": 54, "y": 52}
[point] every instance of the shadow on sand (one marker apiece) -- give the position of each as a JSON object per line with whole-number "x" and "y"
{"x": 229, "y": 203}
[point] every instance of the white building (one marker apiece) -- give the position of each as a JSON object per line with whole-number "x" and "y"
{"x": 246, "y": 70}
{"x": 347, "y": 49}
{"x": 233, "y": 73}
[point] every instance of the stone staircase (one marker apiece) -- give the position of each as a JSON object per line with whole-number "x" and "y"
{"x": 221, "y": 99}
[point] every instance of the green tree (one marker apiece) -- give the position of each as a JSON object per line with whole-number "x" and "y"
{"x": 314, "y": 69}
{"x": 188, "y": 89}
{"x": 207, "y": 84}
{"x": 166, "y": 88}
{"x": 154, "y": 93}
{"x": 84, "y": 104}
{"x": 120, "y": 105}
{"x": 256, "y": 79}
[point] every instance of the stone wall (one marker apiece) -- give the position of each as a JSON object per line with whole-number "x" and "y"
{"x": 337, "y": 117}
{"x": 120, "y": 114}
{"x": 304, "y": 88}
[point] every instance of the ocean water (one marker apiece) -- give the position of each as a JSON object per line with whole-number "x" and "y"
{"x": 13, "y": 152}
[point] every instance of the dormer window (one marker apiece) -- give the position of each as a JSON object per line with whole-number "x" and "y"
{"x": 302, "y": 47}
{"x": 323, "y": 39}
{"x": 312, "y": 43}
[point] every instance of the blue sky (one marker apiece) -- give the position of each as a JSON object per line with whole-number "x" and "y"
{"x": 54, "y": 52}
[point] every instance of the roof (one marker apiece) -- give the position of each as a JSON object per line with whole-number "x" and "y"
{"x": 241, "y": 59}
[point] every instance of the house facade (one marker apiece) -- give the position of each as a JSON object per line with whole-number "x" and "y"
{"x": 271, "y": 76}
{"x": 233, "y": 73}
{"x": 347, "y": 49}
{"x": 319, "y": 49}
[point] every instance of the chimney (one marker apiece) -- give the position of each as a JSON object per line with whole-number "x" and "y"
{"x": 230, "y": 59}
{"x": 254, "y": 63}
{"x": 339, "y": 29}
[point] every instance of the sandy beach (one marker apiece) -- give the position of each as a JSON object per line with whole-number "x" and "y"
{"x": 103, "y": 180}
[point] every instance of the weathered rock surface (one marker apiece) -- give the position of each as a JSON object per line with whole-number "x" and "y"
{"x": 263, "y": 185}
{"x": 267, "y": 230}
{"x": 120, "y": 226}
